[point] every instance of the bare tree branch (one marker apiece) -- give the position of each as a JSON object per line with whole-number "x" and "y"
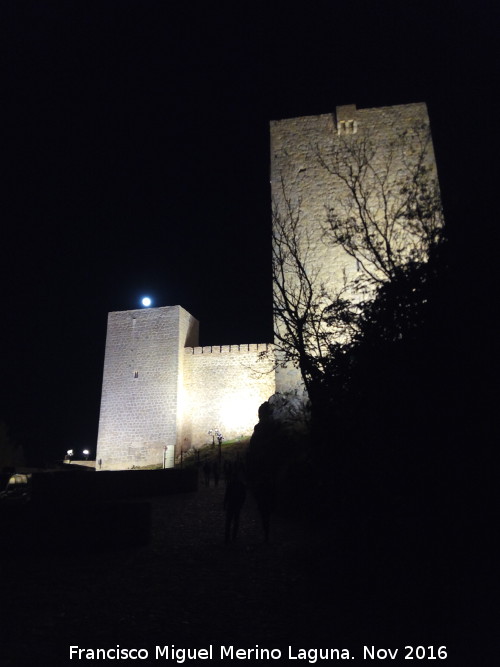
{"x": 388, "y": 211}
{"x": 305, "y": 325}
{"x": 386, "y": 214}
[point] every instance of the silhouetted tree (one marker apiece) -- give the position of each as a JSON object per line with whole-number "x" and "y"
{"x": 388, "y": 211}
{"x": 387, "y": 216}
{"x": 307, "y": 317}
{"x": 392, "y": 393}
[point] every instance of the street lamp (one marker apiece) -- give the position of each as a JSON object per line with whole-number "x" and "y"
{"x": 220, "y": 438}
{"x": 86, "y": 454}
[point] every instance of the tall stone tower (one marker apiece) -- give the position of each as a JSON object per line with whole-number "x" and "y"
{"x": 162, "y": 393}
{"x": 314, "y": 162}
{"x": 141, "y": 404}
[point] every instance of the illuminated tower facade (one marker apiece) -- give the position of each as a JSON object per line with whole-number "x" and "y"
{"x": 162, "y": 393}
{"x": 315, "y": 161}
{"x": 141, "y": 404}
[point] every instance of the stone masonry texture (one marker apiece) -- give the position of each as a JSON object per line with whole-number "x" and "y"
{"x": 140, "y": 408}
{"x": 224, "y": 387}
{"x": 161, "y": 390}
{"x": 298, "y": 175}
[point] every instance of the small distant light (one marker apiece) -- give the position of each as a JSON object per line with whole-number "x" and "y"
{"x": 146, "y": 302}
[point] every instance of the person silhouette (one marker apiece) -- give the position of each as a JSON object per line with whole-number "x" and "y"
{"x": 216, "y": 472}
{"x": 227, "y": 471}
{"x": 206, "y": 473}
{"x": 264, "y": 492}
{"x": 234, "y": 499}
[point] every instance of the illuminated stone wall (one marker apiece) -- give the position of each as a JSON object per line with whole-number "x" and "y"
{"x": 298, "y": 175}
{"x": 224, "y": 387}
{"x": 160, "y": 389}
{"x": 140, "y": 408}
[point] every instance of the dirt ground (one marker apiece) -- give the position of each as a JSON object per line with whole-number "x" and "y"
{"x": 189, "y": 589}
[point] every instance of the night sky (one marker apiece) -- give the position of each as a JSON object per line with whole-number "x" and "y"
{"x": 135, "y": 144}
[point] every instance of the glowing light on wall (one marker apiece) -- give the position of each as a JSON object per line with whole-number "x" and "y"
{"x": 240, "y": 413}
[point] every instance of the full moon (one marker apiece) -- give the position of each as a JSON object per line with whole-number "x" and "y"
{"x": 146, "y": 301}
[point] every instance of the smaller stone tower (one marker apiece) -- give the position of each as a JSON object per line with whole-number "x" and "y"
{"x": 141, "y": 411}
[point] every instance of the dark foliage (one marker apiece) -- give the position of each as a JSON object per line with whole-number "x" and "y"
{"x": 387, "y": 419}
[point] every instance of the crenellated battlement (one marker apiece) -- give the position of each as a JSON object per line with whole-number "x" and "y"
{"x": 230, "y": 349}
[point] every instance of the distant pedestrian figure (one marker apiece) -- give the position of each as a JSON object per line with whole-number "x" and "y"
{"x": 265, "y": 496}
{"x": 234, "y": 499}
{"x": 206, "y": 472}
{"x": 227, "y": 470}
{"x": 100, "y": 464}
{"x": 216, "y": 472}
